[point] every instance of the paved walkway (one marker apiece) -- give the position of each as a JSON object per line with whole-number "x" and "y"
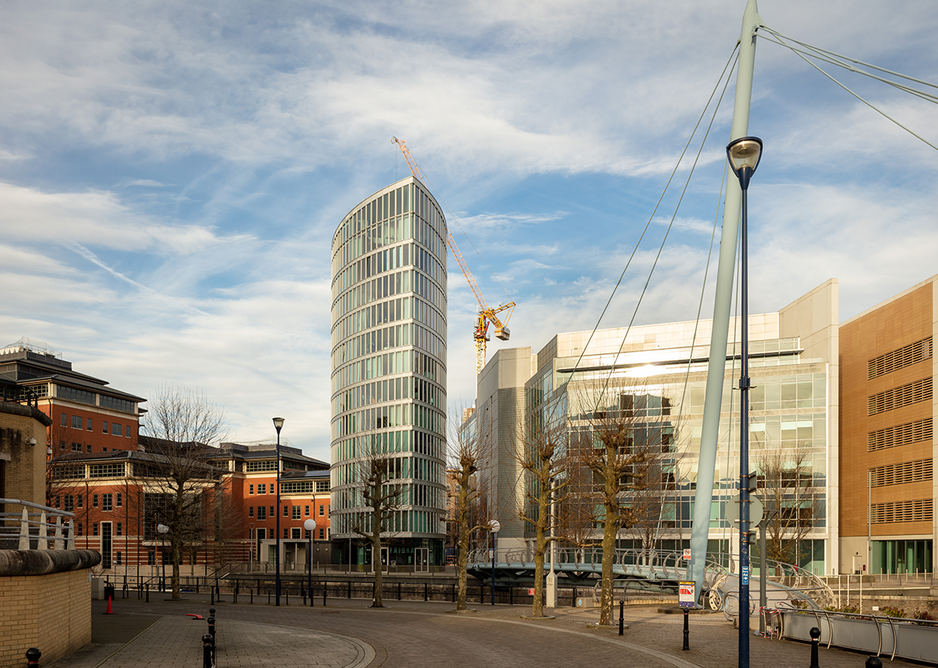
{"x": 413, "y": 634}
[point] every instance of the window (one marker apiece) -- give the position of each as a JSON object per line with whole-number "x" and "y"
{"x": 120, "y": 499}
{"x": 76, "y": 422}
{"x": 296, "y": 512}
{"x": 117, "y": 555}
{"x": 119, "y": 529}
{"x": 322, "y": 534}
{"x": 250, "y": 489}
{"x": 151, "y": 557}
{"x": 56, "y": 501}
{"x": 64, "y": 419}
{"x": 115, "y": 429}
{"x": 306, "y": 534}
{"x": 261, "y": 513}
{"x": 76, "y": 447}
{"x": 104, "y": 427}
{"x": 250, "y": 511}
{"x": 286, "y": 533}
{"x": 262, "y": 489}
{"x": 79, "y": 530}
{"x": 322, "y": 510}
{"x": 295, "y": 533}
{"x": 286, "y": 511}
{"x": 272, "y": 514}
{"x": 94, "y": 528}
{"x": 88, "y": 448}
{"x": 69, "y": 502}
{"x": 106, "y": 502}
{"x": 306, "y": 512}
{"x": 127, "y": 431}
{"x": 94, "y": 501}
{"x": 79, "y": 501}
{"x": 88, "y": 424}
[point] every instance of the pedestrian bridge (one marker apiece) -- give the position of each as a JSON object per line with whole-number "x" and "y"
{"x": 658, "y": 570}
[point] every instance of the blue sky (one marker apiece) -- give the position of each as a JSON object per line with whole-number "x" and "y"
{"x": 171, "y": 173}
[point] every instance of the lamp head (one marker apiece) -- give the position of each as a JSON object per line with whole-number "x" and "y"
{"x": 310, "y": 525}
{"x": 494, "y": 526}
{"x": 278, "y": 424}
{"x": 744, "y": 155}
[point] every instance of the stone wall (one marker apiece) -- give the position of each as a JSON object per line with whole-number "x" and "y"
{"x": 45, "y": 597}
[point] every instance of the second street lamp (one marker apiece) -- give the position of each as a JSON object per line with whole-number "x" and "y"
{"x": 162, "y": 529}
{"x": 744, "y": 155}
{"x": 278, "y": 425}
{"x": 310, "y": 526}
{"x": 494, "y": 526}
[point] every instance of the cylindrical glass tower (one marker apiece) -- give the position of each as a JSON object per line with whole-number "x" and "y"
{"x": 389, "y": 372}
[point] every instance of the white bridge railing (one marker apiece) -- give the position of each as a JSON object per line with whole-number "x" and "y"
{"x": 47, "y": 528}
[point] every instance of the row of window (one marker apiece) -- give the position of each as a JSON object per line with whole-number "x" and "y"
{"x": 392, "y": 389}
{"x": 429, "y": 308}
{"x": 427, "y": 252}
{"x": 389, "y": 364}
{"x": 417, "y": 521}
{"x": 898, "y": 397}
{"x": 899, "y": 359}
{"x": 289, "y": 511}
{"x": 73, "y": 501}
{"x": 116, "y": 428}
{"x": 389, "y": 417}
{"x": 93, "y": 399}
{"x": 383, "y": 443}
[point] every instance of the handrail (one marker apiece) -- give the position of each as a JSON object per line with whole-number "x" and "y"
{"x": 43, "y": 542}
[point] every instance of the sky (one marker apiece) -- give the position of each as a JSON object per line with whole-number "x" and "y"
{"x": 172, "y": 173}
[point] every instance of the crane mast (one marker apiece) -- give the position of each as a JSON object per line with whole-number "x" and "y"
{"x": 486, "y": 314}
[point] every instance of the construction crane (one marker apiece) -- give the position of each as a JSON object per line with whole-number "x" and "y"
{"x": 486, "y": 314}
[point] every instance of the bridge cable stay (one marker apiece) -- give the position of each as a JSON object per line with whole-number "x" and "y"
{"x": 725, "y": 77}
{"x": 730, "y": 61}
{"x": 780, "y": 39}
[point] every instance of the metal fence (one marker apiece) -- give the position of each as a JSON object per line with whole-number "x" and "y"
{"x": 35, "y": 527}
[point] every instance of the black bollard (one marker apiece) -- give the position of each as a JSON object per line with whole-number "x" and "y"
{"x": 873, "y": 662}
{"x": 621, "y": 616}
{"x": 32, "y": 657}
{"x": 211, "y": 629}
{"x": 686, "y": 630}
{"x": 206, "y": 651}
{"x": 815, "y": 634}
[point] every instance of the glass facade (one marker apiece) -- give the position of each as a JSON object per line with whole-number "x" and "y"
{"x": 389, "y": 365}
{"x": 660, "y": 376}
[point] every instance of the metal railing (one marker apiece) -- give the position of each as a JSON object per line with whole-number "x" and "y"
{"x": 36, "y": 527}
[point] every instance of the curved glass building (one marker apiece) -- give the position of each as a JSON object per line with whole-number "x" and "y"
{"x": 389, "y": 372}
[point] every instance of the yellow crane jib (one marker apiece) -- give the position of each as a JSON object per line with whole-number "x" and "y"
{"x": 486, "y": 315}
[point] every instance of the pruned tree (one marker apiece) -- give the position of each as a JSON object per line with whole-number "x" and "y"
{"x": 381, "y": 495}
{"x": 623, "y": 448}
{"x": 470, "y": 451}
{"x": 544, "y": 458}
{"x": 183, "y": 428}
{"x": 791, "y": 500}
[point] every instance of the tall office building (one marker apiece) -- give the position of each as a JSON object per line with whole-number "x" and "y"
{"x": 389, "y": 372}
{"x": 654, "y": 377}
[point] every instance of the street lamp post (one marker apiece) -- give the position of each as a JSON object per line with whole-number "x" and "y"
{"x": 494, "y": 526}
{"x": 162, "y": 529}
{"x": 310, "y": 526}
{"x": 278, "y": 425}
{"x": 744, "y": 155}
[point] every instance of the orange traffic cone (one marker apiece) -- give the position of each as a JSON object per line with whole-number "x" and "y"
{"x": 109, "y": 611}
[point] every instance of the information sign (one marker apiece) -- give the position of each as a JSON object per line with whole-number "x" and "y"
{"x": 687, "y": 597}
{"x": 744, "y": 574}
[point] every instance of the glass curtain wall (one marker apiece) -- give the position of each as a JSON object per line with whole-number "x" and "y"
{"x": 389, "y": 370}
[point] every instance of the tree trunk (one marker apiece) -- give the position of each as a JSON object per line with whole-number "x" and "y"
{"x": 379, "y": 569}
{"x": 610, "y": 528}
{"x": 462, "y": 548}
{"x": 543, "y": 513}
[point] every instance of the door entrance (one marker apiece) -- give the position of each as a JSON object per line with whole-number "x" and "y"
{"x": 422, "y": 559}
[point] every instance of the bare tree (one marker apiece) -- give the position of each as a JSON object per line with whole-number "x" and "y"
{"x": 382, "y": 496}
{"x": 183, "y": 428}
{"x": 791, "y": 500}
{"x": 470, "y": 450}
{"x": 623, "y": 449}
{"x": 544, "y": 458}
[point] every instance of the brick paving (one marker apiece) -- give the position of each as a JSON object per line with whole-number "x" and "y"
{"x": 414, "y": 634}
